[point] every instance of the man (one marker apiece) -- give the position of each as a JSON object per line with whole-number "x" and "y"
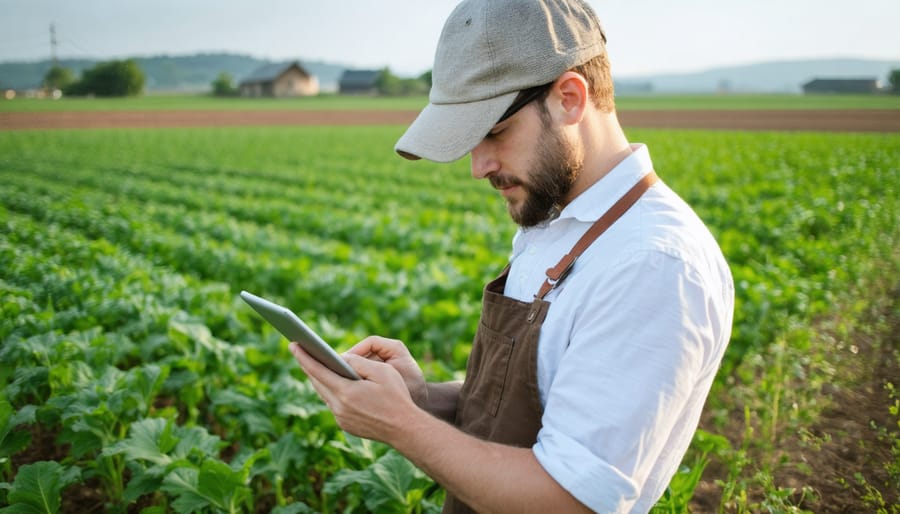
{"x": 598, "y": 344}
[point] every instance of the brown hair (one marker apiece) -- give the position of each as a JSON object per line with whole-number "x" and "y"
{"x": 600, "y": 85}
{"x": 599, "y": 79}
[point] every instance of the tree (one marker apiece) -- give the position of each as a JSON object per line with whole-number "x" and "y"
{"x": 389, "y": 84}
{"x": 894, "y": 79}
{"x": 426, "y": 78}
{"x": 58, "y": 77}
{"x": 223, "y": 86}
{"x": 112, "y": 78}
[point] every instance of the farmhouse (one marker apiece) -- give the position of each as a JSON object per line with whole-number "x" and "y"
{"x": 280, "y": 80}
{"x": 841, "y": 86}
{"x": 355, "y": 82}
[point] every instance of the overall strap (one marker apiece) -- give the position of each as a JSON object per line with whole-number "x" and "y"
{"x": 556, "y": 274}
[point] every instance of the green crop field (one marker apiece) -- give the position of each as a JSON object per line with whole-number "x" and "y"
{"x": 134, "y": 378}
{"x": 330, "y": 102}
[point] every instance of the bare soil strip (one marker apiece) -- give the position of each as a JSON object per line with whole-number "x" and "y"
{"x": 862, "y": 120}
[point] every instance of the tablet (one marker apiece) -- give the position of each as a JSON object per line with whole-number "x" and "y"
{"x": 294, "y": 329}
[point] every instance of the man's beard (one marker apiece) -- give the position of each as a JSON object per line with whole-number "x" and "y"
{"x": 549, "y": 180}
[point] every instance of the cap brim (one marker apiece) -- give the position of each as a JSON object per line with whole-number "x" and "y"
{"x": 447, "y": 132}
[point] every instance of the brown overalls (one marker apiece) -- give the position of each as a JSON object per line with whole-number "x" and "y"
{"x": 499, "y": 400}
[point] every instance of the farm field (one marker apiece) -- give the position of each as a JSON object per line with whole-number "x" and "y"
{"x": 343, "y": 102}
{"x": 135, "y": 380}
{"x": 836, "y": 113}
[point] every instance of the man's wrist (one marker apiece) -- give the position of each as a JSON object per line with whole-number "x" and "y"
{"x": 441, "y": 399}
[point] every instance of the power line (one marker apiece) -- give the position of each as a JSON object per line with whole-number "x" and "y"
{"x": 78, "y": 47}
{"x": 53, "y": 46}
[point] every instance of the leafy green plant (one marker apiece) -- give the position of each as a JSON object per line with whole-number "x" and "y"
{"x": 677, "y": 497}
{"x": 125, "y": 353}
{"x": 390, "y": 485}
{"x": 37, "y": 488}
{"x": 13, "y": 441}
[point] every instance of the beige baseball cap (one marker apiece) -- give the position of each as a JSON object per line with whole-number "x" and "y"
{"x": 488, "y": 51}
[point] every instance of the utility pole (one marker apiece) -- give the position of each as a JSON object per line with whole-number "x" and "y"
{"x": 53, "y": 45}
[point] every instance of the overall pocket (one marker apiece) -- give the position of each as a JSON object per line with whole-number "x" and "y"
{"x": 486, "y": 373}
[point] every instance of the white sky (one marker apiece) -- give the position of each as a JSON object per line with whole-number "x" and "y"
{"x": 645, "y": 36}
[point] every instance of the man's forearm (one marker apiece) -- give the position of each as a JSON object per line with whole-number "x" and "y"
{"x": 487, "y": 476}
{"x": 442, "y": 399}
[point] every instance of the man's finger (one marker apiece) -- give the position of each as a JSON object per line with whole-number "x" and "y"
{"x": 367, "y": 369}
{"x": 314, "y": 368}
{"x": 382, "y": 347}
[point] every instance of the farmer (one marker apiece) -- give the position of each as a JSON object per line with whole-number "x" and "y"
{"x": 598, "y": 343}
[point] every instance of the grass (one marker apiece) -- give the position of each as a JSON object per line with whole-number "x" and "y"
{"x": 335, "y": 102}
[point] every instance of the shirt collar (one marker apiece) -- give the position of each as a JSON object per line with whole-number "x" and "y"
{"x": 597, "y": 199}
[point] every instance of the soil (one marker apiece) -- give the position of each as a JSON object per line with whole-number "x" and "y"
{"x": 869, "y": 120}
{"x": 845, "y": 453}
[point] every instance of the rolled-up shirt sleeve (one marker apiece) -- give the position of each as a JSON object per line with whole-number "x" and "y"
{"x": 626, "y": 396}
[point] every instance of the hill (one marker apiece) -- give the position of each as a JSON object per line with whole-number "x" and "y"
{"x": 768, "y": 77}
{"x": 190, "y": 73}
{"x": 194, "y": 73}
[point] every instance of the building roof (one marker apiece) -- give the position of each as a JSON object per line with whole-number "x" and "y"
{"x": 856, "y": 82}
{"x": 270, "y": 72}
{"x": 359, "y": 78}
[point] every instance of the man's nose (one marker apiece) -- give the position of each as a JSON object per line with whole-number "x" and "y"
{"x": 483, "y": 161}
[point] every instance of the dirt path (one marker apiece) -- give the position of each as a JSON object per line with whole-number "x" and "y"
{"x": 870, "y": 120}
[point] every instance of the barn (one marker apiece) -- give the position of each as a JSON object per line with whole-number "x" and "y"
{"x": 359, "y": 82}
{"x": 280, "y": 81}
{"x": 841, "y": 86}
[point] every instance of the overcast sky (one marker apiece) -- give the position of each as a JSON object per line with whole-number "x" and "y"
{"x": 645, "y": 36}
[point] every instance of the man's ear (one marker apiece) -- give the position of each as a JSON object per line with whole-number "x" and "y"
{"x": 572, "y": 97}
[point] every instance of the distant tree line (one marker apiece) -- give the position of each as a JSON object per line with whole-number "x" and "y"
{"x": 388, "y": 84}
{"x": 111, "y": 78}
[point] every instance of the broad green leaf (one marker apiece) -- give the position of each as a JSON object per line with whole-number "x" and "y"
{"x": 294, "y": 508}
{"x": 182, "y": 483}
{"x": 162, "y": 442}
{"x": 225, "y": 487}
{"x": 27, "y": 380}
{"x": 253, "y": 413}
{"x": 296, "y": 398}
{"x": 37, "y": 487}
{"x": 214, "y": 484}
{"x": 384, "y": 484}
{"x": 147, "y": 381}
{"x": 196, "y": 440}
{"x": 286, "y": 450}
{"x": 392, "y": 475}
{"x": 149, "y": 439}
{"x": 68, "y": 376}
{"x": 12, "y": 441}
{"x": 143, "y": 482}
{"x": 367, "y": 449}
{"x": 154, "y": 510}
{"x": 89, "y": 428}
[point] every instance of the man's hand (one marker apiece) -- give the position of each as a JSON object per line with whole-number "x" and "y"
{"x": 395, "y": 353}
{"x": 373, "y": 407}
{"x": 488, "y": 476}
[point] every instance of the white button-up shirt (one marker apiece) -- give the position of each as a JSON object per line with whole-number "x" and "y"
{"x": 631, "y": 343}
